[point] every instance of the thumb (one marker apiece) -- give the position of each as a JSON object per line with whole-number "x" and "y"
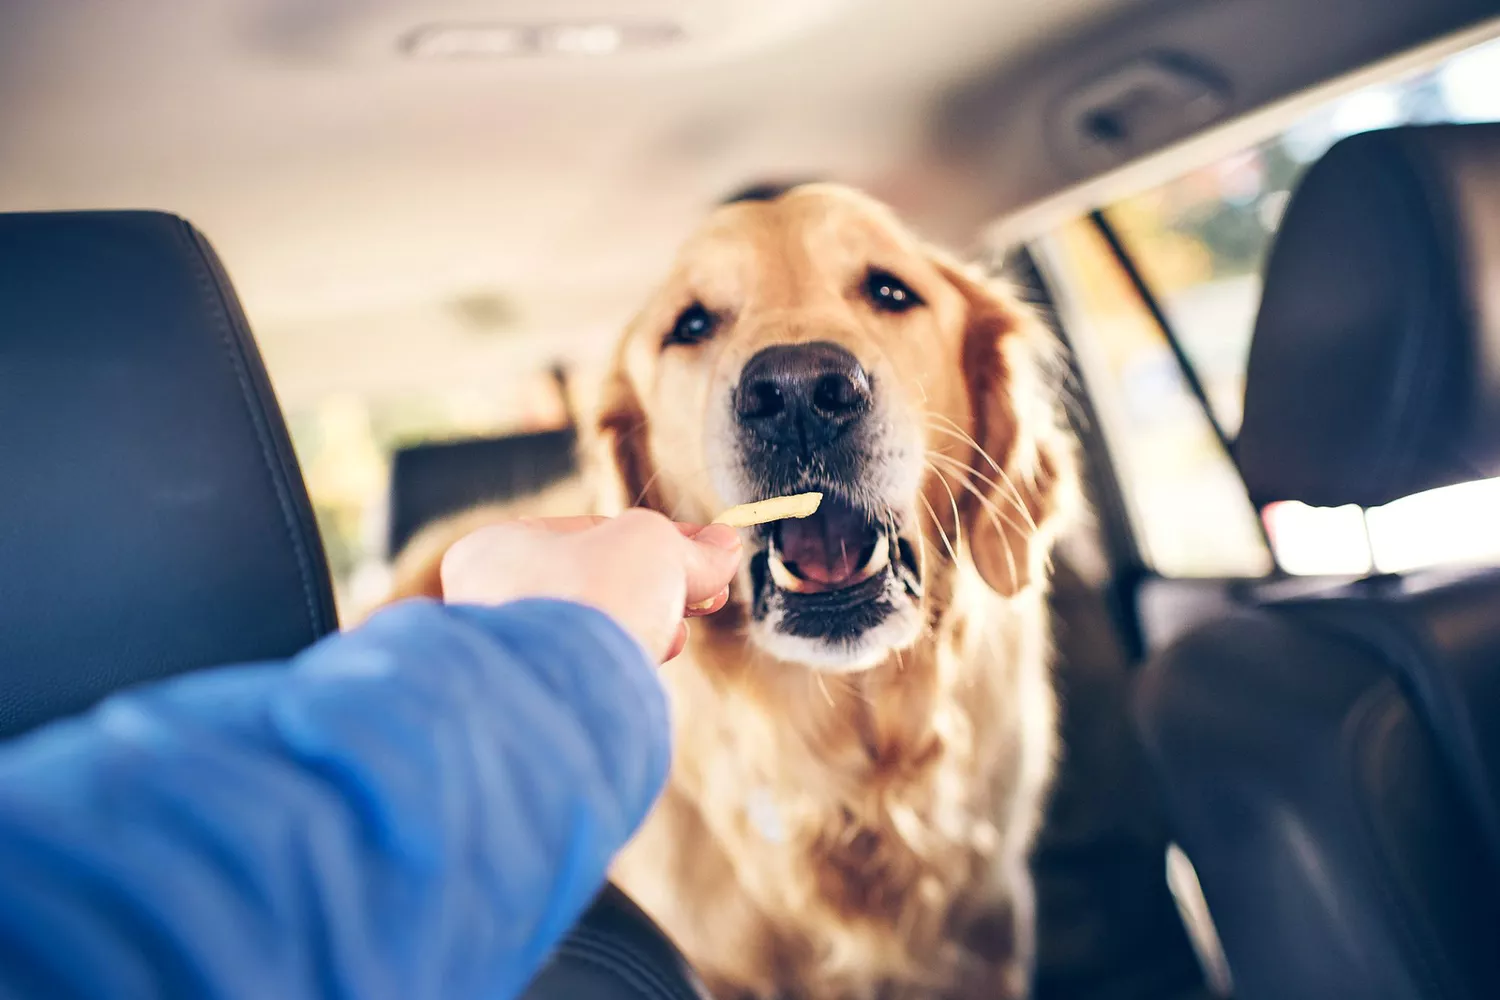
{"x": 711, "y": 561}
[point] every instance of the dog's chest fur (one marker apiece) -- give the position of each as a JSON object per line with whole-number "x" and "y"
{"x": 853, "y": 838}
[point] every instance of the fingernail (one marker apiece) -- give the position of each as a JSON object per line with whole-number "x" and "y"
{"x": 720, "y": 536}
{"x": 719, "y": 599}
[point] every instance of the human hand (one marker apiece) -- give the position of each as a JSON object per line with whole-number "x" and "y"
{"x": 644, "y": 571}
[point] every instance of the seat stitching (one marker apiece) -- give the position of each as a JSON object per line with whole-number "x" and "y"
{"x": 213, "y": 296}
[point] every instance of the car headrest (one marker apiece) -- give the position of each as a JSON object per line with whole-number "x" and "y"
{"x": 433, "y": 480}
{"x": 1374, "y": 370}
{"x": 153, "y": 519}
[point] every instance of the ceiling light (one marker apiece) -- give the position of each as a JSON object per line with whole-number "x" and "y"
{"x": 467, "y": 41}
{"x": 554, "y": 38}
{"x": 585, "y": 39}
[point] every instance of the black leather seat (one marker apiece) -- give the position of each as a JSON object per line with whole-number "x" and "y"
{"x": 153, "y": 519}
{"x": 1327, "y": 750}
{"x": 616, "y": 953}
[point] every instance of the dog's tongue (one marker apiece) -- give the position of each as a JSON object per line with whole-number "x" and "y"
{"x": 827, "y": 547}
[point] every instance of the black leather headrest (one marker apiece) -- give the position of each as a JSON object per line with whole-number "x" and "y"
{"x": 433, "y": 480}
{"x": 152, "y": 516}
{"x": 1375, "y": 368}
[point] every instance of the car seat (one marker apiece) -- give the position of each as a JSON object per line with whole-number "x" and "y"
{"x": 1327, "y": 750}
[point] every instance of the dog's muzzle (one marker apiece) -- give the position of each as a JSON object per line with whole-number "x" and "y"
{"x": 807, "y": 418}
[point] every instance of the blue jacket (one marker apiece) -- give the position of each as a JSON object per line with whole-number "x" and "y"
{"x": 419, "y": 808}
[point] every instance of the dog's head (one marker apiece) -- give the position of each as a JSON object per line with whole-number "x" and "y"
{"x": 804, "y": 342}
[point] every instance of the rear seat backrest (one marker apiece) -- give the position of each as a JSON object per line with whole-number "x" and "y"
{"x": 1374, "y": 370}
{"x": 433, "y": 480}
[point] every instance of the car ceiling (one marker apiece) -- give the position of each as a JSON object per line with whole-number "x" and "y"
{"x": 395, "y": 224}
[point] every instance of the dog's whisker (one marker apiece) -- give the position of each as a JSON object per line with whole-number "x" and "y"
{"x": 846, "y": 686}
{"x": 1016, "y": 498}
{"x": 963, "y": 439}
{"x": 859, "y": 693}
{"x": 1013, "y": 500}
{"x": 922, "y": 555}
{"x": 937, "y": 525}
{"x": 993, "y": 522}
{"x": 895, "y": 530}
{"x": 633, "y": 429}
{"x": 958, "y": 432}
{"x": 963, "y": 435}
{"x": 958, "y": 521}
{"x": 641, "y": 497}
{"x": 996, "y": 517}
{"x": 1007, "y": 487}
{"x": 823, "y": 686}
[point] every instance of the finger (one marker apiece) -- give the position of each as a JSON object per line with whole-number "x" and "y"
{"x": 711, "y": 561}
{"x": 710, "y": 606}
{"x": 564, "y": 525}
{"x": 722, "y": 535}
{"x": 690, "y": 529}
{"x": 656, "y": 551}
{"x": 679, "y": 643}
{"x": 719, "y": 535}
{"x": 582, "y": 522}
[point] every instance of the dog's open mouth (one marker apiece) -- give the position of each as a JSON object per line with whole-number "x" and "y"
{"x": 836, "y": 573}
{"x": 833, "y": 549}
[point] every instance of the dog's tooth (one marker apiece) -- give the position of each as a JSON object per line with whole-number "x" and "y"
{"x": 880, "y": 558}
{"x": 783, "y": 577}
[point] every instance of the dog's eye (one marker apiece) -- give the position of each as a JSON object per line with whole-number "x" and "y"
{"x": 889, "y": 293}
{"x": 694, "y": 325}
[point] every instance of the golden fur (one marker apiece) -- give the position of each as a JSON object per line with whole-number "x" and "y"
{"x": 859, "y": 835}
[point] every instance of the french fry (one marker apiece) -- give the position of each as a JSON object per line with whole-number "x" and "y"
{"x": 764, "y": 512}
{"x": 775, "y": 509}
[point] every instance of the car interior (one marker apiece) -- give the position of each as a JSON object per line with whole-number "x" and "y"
{"x": 1266, "y": 231}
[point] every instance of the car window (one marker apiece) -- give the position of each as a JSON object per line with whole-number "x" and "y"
{"x": 1190, "y": 511}
{"x": 1199, "y": 242}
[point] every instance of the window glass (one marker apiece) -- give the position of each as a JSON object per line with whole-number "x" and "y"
{"x": 1200, "y": 242}
{"x": 1191, "y": 513}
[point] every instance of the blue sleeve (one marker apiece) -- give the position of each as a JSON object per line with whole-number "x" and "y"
{"x": 419, "y": 808}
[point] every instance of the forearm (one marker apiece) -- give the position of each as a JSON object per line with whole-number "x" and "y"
{"x": 419, "y": 808}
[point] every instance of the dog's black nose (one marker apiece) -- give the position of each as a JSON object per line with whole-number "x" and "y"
{"x": 803, "y": 394}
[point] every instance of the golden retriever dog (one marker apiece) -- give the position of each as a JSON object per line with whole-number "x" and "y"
{"x": 865, "y": 734}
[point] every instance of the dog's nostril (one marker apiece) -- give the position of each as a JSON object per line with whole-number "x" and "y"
{"x": 803, "y": 393}
{"x": 761, "y": 401}
{"x": 837, "y": 393}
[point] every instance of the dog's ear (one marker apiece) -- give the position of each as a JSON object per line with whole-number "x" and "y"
{"x": 616, "y": 446}
{"x": 1023, "y": 474}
